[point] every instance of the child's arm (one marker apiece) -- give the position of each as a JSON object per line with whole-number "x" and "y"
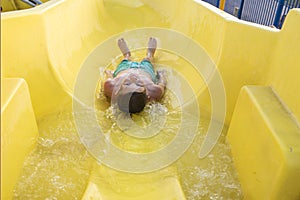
{"x": 162, "y": 81}
{"x": 109, "y": 73}
{"x": 109, "y": 85}
{"x": 156, "y": 91}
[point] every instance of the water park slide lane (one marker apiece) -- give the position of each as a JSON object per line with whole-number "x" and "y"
{"x": 40, "y": 66}
{"x": 18, "y": 136}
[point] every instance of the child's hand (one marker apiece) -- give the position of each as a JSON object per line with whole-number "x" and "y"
{"x": 161, "y": 73}
{"x": 161, "y": 76}
{"x": 109, "y": 73}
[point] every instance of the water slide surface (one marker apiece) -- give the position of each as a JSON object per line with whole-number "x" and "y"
{"x": 227, "y": 127}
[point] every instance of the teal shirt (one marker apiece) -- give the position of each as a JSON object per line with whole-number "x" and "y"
{"x": 144, "y": 65}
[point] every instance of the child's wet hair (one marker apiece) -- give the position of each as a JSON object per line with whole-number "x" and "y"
{"x": 132, "y": 102}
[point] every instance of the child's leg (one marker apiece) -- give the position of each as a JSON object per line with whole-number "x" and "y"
{"x": 152, "y": 44}
{"x": 124, "y": 49}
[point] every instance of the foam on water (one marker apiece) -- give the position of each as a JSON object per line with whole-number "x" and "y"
{"x": 213, "y": 177}
{"x": 60, "y": 166}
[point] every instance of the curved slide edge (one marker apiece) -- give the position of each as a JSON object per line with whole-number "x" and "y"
{"x": 19, "y": 131}
{"x": 264, "y": 137}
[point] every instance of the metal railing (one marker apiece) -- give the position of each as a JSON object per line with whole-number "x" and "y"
{"x": 213, "y": 2}
{"x": 266, "y": 12}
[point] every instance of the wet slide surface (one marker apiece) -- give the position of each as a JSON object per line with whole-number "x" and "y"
{"x": 86, "y": 149}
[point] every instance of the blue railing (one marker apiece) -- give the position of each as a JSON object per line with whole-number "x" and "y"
{"x": 213, "y": 2}
{"x": 266, "y": 12}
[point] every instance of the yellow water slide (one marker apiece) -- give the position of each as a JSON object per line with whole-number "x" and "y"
{"x": 236, "y": 85}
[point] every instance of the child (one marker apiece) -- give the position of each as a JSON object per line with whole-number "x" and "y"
{"x": 133, "y": 84}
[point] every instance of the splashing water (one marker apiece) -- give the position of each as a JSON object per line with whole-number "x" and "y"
{"x": 60, "y": 166}
{"x": 213, "y": 177}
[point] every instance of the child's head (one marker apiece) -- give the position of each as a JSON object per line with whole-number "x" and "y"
{"x": 132, "y": 102}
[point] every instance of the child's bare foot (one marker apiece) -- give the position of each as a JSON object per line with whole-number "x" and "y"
{"x": 123, "y": 47}
{"x": 152, "y": 44}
